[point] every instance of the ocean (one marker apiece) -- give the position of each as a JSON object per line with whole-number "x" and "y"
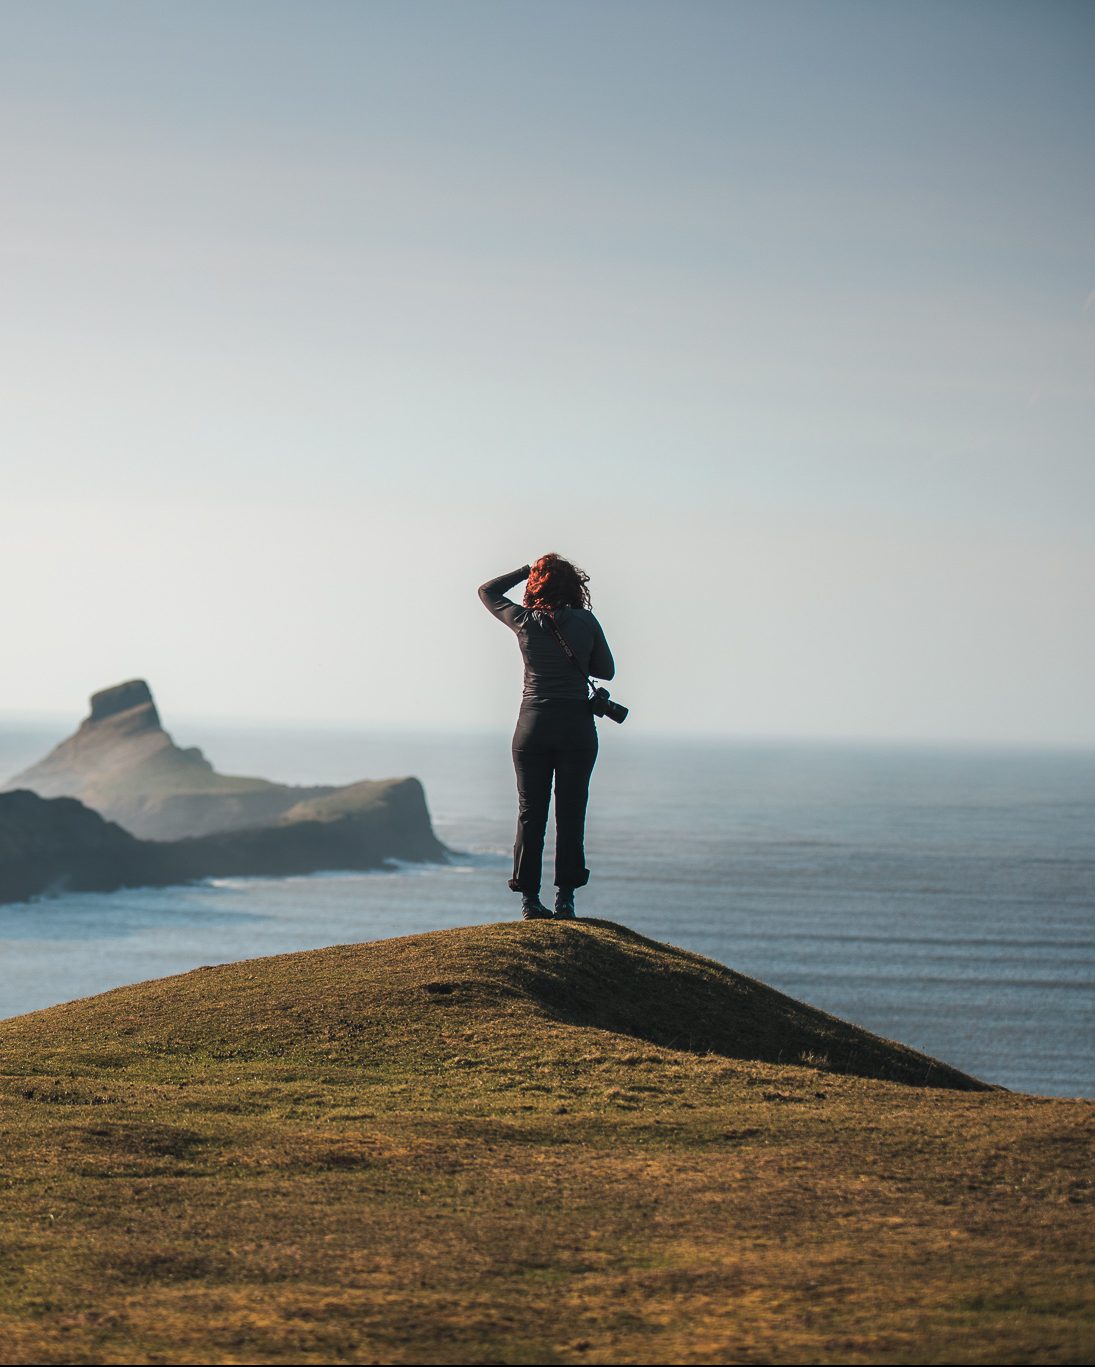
{"x": 941, "y": 897}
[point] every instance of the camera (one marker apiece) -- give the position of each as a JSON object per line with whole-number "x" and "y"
{"x": 603, "y": 706}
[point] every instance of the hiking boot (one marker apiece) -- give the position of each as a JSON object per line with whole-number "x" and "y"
{"x": 532, "y": 909}
{"x": 564, "y": 905}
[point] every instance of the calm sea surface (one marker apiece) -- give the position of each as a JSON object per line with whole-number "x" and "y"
{"x": 943, "y": 898}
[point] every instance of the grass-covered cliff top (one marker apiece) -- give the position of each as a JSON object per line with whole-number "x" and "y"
{"x": 520, "y": 1143}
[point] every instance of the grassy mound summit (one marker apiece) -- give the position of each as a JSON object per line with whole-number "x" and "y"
{"x": 380, "y": 1000}
{"x": 521, "y": 1142}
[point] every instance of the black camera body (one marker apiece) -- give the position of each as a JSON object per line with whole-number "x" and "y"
{"x": 603, "y": 706}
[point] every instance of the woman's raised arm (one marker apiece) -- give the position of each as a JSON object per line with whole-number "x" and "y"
{"x": 493, "y": 595}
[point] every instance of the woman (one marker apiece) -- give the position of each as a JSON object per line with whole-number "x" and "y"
{"x": 556, "y": 733}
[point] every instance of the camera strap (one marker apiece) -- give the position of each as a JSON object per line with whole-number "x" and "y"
{"x": 549, "y": 617}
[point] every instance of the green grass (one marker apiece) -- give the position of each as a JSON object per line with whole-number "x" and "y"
{"x": 351, "y": 800}
{"x": 520, "y": 1143}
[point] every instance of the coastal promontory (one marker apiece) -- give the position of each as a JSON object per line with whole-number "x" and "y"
{"x": 119, "y": 804}
{"x": 123, "y": 763}
{"x": 55, "y": 845}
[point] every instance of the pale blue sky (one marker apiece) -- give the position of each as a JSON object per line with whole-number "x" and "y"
{"x": 779, "y": 317}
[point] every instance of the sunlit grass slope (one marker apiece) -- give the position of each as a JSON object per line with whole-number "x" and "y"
{"x": 520, "y": 1143}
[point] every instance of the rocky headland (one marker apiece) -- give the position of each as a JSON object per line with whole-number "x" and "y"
{"x": 55, "y": 845}
{"x": 119, "y": 804}
{"x": 123, "y": 764}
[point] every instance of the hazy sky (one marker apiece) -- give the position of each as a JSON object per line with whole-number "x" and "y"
{"x": 778, "y": 317}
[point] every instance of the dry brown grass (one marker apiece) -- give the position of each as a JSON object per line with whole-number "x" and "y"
{"x": 424, "y": 1151}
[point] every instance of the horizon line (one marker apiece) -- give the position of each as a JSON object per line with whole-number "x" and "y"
{"x": 222, "y": 721}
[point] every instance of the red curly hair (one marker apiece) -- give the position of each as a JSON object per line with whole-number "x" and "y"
{"x": 555, "y": 583}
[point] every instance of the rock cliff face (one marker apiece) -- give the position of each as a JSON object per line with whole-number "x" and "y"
{"x": 124, "y": 765}
{"x": 53, "y": 845}
{"x": 119, "y": 804}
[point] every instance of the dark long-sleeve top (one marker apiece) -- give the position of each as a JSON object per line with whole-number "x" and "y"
{"x": 549, "y": 672}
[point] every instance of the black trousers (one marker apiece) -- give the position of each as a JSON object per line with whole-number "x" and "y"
{"x": 552, "y": 740}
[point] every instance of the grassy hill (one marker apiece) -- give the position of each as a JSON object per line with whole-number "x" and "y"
{"x": 521, "y": 1143}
